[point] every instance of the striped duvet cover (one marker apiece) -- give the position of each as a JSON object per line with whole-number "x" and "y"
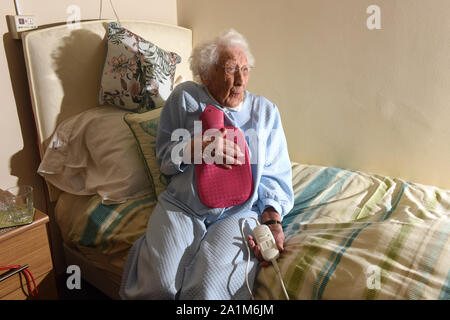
{"x": 350, "y": 235}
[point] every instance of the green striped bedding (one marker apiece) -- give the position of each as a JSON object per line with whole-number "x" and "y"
{"x": 350, "y": 235}
{"x": 353, "y": 235}
{"x": 111, "y": 229}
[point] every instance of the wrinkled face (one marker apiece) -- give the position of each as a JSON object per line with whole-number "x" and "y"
{"x": 228, "y": 79}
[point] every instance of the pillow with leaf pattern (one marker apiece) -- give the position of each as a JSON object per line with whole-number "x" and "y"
{"x": 137, "y": 75}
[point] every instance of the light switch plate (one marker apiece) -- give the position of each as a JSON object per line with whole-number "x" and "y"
{"x": 19, "y": 24}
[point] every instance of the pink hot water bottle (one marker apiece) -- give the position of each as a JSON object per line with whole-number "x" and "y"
{"x": 219, "y": 187}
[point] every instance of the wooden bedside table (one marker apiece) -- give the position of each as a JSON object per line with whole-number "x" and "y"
{"x": 28, "y": 245}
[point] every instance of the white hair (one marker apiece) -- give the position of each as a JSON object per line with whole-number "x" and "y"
{"x": 206, "y": 54}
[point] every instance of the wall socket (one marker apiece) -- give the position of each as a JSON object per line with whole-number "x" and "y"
{"x": 19, "y": 24}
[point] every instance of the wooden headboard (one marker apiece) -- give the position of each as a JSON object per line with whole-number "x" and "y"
{"x": 64, "y": 66}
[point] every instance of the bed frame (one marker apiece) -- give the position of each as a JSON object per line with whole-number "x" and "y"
{"x": 64, "y": 64}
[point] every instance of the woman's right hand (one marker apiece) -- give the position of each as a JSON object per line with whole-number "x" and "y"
{"x": 215, "y": 148}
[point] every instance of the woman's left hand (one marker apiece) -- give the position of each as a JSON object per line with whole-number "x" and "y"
{"x": 277, "y": 232}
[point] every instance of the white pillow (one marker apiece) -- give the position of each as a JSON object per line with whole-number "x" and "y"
{"x": 94, "y": 152}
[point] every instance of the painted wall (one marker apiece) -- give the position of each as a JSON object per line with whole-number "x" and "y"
{"x": 372, "y": 100}
{"x": 19, "y": 158}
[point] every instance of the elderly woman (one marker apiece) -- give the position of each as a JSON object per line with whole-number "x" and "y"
{"x": 190, "y": 250}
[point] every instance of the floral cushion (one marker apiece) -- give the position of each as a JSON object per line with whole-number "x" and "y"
{"x": 137, "y": 75}
{"x": 145, "y": 127}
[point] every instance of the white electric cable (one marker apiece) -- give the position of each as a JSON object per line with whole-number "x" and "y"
{"x": 112, "y": 7}
{"x": 114, "y": 10}
{"x": 248, "y": 255}
{"x": 16, "y": 3}
{"x": 277, "y": 270}
{"x": 274, "y": 263}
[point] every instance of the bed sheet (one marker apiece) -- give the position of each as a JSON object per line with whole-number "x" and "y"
{"x": 103, "y": 234}
{"x": 353, "y": 235}
{"x": 350, "y": 235}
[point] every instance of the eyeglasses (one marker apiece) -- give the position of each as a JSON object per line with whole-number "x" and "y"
{"x": 232, "y": 70}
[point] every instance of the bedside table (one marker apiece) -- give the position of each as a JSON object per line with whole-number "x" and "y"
{"x": 28, "y": 245}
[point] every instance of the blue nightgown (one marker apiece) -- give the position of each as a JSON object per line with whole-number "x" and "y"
{"x": 191, "y": 251}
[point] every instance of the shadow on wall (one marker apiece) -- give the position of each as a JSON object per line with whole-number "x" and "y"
{"x": 78, "y": 63}
{"x": 24, "y": 163}
{"x": 73, "y": 77}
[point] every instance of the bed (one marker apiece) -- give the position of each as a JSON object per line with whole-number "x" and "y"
{"x": 350, "y": 235}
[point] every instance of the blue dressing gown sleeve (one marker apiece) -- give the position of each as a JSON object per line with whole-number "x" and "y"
{"x": 173, "y": 116}
{"x": 275, "y": 187}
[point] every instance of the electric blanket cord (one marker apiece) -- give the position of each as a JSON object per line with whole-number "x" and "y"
{"x": 269, "y": 251}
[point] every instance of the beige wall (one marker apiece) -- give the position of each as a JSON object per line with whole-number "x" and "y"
{"x": 19, "y": 157}
{"x": 372, "y": 100}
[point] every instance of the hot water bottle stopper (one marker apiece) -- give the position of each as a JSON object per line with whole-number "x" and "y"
{"x": 219, "y": 187}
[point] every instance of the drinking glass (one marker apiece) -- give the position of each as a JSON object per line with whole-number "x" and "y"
{"x": 19, "y": 201}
